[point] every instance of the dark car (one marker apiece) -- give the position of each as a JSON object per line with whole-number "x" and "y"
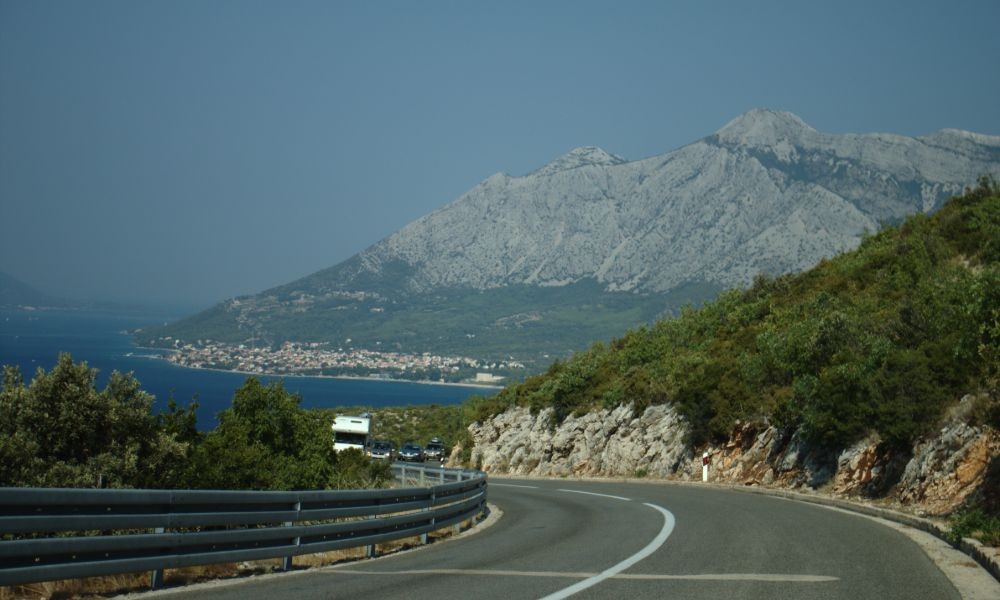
{"x": 435, "y": 450}
{"x": 411, "y": 452}
{"x": 382, "y": 450}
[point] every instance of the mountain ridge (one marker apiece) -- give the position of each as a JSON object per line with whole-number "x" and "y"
{"x": 766, "y": 193}
{"x": 580, "y": 157}
{"x": 741, "y": 138}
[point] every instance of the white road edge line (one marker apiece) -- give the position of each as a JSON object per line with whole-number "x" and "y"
{"x": 527, "y": 487}
{"x": 651, "y": 547}
{"x": 596, "y": 494}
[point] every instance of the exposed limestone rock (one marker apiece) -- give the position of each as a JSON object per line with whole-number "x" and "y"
{"x": 859, "y": 465}
{"x": 943, "y": 471}
{"x": 614, "y": 442}
{"x": 949, "y": 467}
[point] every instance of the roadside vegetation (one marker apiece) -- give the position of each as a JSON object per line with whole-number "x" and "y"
{"x": 530, "y": 322}
{"x": 976, "y": 523}
{"x": 61, "y": 431}
{"x": 403, "y": 424}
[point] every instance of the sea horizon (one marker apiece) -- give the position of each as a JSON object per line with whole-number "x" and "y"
{"x": 30, "y": 339}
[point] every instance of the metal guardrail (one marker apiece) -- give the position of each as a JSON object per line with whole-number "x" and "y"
{"x": 167, "y": 529}
{"x": 419, "y": 474}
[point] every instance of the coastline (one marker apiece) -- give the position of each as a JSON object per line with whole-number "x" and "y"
{"x": 345, "y": 377}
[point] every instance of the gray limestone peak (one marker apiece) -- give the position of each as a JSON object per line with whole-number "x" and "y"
{"x": 766, "y": 193}
{"x": 579, "y": 157}
{"x": 764, "y": 127}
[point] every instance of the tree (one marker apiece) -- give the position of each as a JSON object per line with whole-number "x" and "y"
{"x": 265, "y": 441}
{"x": 60, "y": 431}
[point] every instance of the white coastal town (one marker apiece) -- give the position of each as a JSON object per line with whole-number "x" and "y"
{"x": 317, "y": 358}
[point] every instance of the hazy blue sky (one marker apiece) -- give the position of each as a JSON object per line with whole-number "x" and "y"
{"x": 185, "y": 152}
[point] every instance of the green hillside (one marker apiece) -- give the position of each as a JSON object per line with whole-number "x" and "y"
{"x": 879, "y": 339}
{"x": 523, "y": 321}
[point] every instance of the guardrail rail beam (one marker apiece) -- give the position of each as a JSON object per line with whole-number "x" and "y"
{"x": 123, "y": 531}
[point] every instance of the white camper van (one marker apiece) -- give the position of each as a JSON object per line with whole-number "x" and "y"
{"x": 351, "y": 432}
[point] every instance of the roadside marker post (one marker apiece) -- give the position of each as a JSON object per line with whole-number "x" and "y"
{"x": 156, "y": 577}
{"x": 704, "y": 467}
{"x": 286, "y": 561}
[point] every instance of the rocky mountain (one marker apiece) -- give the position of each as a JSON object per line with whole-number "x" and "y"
{"x": 591, "y": 244}
{"x": 764, "y": 193}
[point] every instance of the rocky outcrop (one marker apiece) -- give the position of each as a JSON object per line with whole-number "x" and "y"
{"x": 608, "y": 442}
{"x": 939, "y": 473}
{"x": 949, "y": 467}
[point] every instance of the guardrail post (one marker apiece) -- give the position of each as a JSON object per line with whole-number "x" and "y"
{"x": 286, "y": 562}
{"x": 457, "y": 527}
{"x": 422, "y": 471}
{"x": 370, "y": 550}
{"x": 156, "y": 576}
{"x": 423, "y": 536}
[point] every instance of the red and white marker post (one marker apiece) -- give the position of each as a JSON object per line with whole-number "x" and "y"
{"x": 704, "y": 467}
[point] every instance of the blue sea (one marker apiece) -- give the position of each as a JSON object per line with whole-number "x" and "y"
{"x": 33, "y": 339}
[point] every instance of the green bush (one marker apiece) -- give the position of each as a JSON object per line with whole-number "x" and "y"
{"x": 265, "y": 441}
{"x": 61, "y": 431}
{"x": 976, "y": 523}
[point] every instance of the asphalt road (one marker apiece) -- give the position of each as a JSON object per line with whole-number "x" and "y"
{"x": 650, "y": 541}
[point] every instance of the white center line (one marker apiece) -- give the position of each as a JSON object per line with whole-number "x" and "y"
{"x": 770, "y": 577}
{"x": 527, "y": 487}
{"x": 485, "y": 572}
{"x": 596, "y": 494}
{"x": 775, "y": 577}
{"x": 651, "y": 547}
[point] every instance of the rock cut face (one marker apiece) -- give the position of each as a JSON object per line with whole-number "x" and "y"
{"x": 937, "y": 475}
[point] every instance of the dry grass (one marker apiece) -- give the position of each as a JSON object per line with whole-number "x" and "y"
{"x": 113, "y": 585}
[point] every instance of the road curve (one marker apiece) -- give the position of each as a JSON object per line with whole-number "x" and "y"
{"x": 563, "y": 539}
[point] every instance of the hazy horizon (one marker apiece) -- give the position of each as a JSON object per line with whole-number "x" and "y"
{"x": 177, "y": 154}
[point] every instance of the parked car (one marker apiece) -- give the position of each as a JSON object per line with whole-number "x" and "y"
{"x": 411, "y": 452}
{"x": 382, "y": 450}
{"x": 436, "y": 450}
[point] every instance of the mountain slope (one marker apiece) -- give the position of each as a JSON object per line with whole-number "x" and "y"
{"x": 766, "y": 193}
